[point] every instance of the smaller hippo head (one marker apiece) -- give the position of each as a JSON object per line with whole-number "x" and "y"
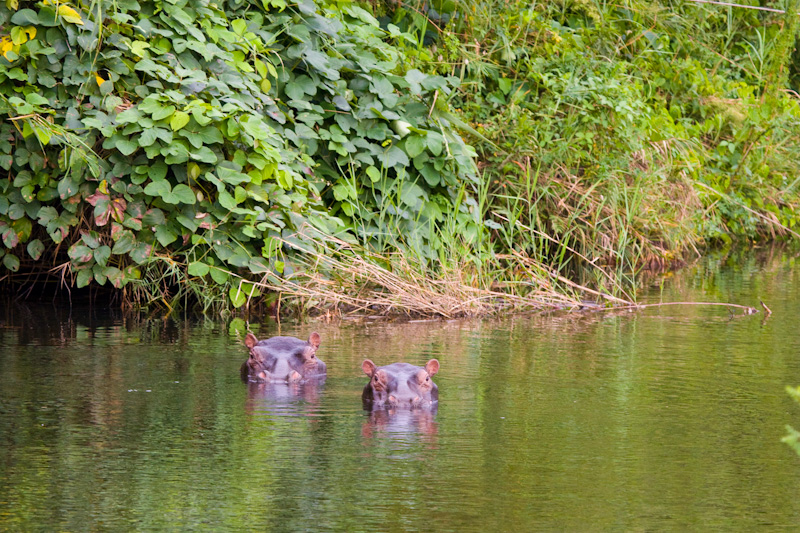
{"x": 282, "y": 359}
{"x": 400, "y": 384}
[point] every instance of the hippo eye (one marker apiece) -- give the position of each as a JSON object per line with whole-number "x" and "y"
{"x": 428, "y": 378}
{"x": 376, "y": 379}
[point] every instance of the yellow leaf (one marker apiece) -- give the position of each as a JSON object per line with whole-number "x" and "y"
{"x": 70, "y": 15}
{"x": 98, "y": 79}
{"x": 6, "y": 46}
{"x": 22, "y": 34}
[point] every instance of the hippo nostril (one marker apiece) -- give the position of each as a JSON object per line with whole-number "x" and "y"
{"x": 295, "y": 376}
{"x": 415, "y": 400}
{"x": 392, "y": 399}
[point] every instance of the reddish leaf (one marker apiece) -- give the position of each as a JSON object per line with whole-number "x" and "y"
{"x": 116, "y": 231}
{"x": 117, "y": 209}
{"x": 96, "y": 197}
{"x": 102, "y": 218}
{"x": 10, "y": 238}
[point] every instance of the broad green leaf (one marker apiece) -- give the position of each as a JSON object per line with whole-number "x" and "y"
{"x": 181, "y": 194}
{"x": 238, "y": 297}
{"x": 124, "y": 244}
{"x": 226, "y": 200}
{"x": 67, "y": 188}
{"x": 198, "y": 268}
{"x": 148, "y": 137}
{"x": 11, "y": 262}
{"x": 125, "y": 146}
{"x": 163, "y": 112}
{"x": 36, "y": 99}
{"x": 415, "y": 144}
{"x": 240, "y": 258}
{"x": 239, "y": 26}
{"x": 35, "y": 249}
{"x": 102, "y": 254}
{"x": 231, "y": 176}
{"x": 373, "y": 173}
{"x": 250, "y": 290}
{"x": 90, "y": 238}
{"x": 218, "y": 275}
{"x": 394, "y": 157}
{"x": 158, "y": 170}
{"x": 158, "y": 189}
{"x": 141, "y": 252}
{"x": 115, "y": 276}
{"x": 79, "y": 253}
{"x": 204, "y": 155}
{"x": 412, "y": 195}
{"x": 84, "y": 277}
{"x": 139, "y": 47}
{"x": 179, "y": 120}
{"x": 165, "y": 236}
{"x": 435, "y": 142}
{"x": 25, "y": 17}
{"x": 16, "y": 211}
{"x": 99, "y": 276}
{"x": 130, "y": 115}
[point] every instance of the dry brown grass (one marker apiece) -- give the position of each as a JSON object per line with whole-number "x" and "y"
{"x": 335, "y": 276}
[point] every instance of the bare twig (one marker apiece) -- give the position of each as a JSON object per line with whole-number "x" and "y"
{"x": 746, "y": 308}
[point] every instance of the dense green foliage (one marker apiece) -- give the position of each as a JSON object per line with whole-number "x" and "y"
{"x": 161, "y": 139}
{"x": 175, "y": 148}
{"x": 625, "y": 132}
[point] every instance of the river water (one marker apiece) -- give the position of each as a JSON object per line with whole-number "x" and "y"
{"x": 664, "y": 419}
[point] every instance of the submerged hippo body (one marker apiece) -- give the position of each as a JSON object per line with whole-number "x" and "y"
{"x": 400, "y": 385}
{"x": 285, "y": 359}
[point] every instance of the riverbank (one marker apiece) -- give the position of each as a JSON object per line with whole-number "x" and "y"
{"x": 432, "y": 160}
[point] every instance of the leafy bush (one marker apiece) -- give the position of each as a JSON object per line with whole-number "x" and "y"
{"x": 170, "y": 147}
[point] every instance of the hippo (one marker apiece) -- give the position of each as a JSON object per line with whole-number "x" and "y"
{"x": 285, "y": 359}
{"x": 400, "y": 385}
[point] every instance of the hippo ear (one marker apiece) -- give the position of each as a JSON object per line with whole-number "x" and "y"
{"x": 314, "y": 340}
{"x": 368, "y": 367}
{"x": 432, "y": 367}
{"x": 250, "y": 340}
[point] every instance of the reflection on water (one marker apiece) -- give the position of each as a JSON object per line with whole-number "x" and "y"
{"x": 400, "y": 425}
{"x": 669, "y": 418}
{"x": 284, "y": 398}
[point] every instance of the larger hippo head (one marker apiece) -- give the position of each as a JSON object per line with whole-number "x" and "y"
{"x": 282, "y": 359}
{"x": 400, "y": 385}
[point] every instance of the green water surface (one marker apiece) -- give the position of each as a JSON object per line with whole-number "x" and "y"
{"x": 663, "y": 419}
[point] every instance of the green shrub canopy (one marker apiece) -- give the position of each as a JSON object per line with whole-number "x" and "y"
{"x": 205, "y": 134}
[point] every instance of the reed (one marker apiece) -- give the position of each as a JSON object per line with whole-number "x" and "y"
{"x": 342, "y": 278}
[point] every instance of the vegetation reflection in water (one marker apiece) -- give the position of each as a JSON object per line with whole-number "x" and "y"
{"x": 669, "y": 418}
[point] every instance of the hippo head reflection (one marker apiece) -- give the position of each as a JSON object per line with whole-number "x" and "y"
{"x": 401, "y": 424}
{"x": 285, "y": 398}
